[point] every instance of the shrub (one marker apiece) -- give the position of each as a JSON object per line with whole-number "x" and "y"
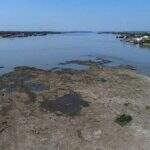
{"x": 123, "y": 119}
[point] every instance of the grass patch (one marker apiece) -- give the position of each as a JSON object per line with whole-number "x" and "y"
{"x": 126, "y": 104}
{"x": 103, "y": 80}
{"x": 147, "y": 107}
{"x": 123, "y": 119}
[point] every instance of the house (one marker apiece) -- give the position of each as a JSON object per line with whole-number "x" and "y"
{"x": 138, "y": 40}
{"x": 146, "y": 37}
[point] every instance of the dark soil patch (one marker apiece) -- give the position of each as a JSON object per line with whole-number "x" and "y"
{"x": 22, "y": 87}
{"x": 103, "y": 80}
{"x": 36, "y": 87}
{"x": 70, "y": 104}
{"x": 69, "y": 71}
{"x": 8, "y": 88}
{"x": 4, "y": 110}
{"x": 79, "y": 133}
{"x": 3, "y": 126}
{"x": 13, "y": 76}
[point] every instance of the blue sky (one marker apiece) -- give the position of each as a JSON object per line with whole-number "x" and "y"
{"x": 101, "y": 15}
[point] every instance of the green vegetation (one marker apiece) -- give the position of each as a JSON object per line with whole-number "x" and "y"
{"x": 123, "y": 119}
{"x": 126, "y": 104}
{"x": 147, "y": 107}
{"x": 147, "y": 40}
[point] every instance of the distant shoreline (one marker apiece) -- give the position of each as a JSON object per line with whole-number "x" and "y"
{"x": 14, "y": 34}
{"x": 125, "y": 32}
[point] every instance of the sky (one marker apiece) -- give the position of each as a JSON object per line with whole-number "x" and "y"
{"x": 68, "y": 15}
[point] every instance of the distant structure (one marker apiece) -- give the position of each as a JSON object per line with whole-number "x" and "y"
{"x": 140, "y": 40}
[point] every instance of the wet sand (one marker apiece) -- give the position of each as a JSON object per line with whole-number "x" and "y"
{"x": 95, "y": 109}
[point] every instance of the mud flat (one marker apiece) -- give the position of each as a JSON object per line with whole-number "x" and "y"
{"x": 94, "y": 109}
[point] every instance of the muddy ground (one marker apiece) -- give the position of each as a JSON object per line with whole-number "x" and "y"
{"x": 94, "y": 109}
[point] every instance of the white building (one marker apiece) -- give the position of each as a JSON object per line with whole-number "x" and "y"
{"x": 138, "y": 39}
{"x": 146, "y": 37}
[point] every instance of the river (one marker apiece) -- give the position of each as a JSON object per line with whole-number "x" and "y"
{"x": 47, "y": 52}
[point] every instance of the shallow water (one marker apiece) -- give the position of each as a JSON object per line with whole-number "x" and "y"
{"x": 47, "y": 52}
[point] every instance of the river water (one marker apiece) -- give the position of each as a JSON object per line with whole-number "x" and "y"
{"x": 47, "y": 52}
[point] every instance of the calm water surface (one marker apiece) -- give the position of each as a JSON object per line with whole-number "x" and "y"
{"x": 48, "y": 51}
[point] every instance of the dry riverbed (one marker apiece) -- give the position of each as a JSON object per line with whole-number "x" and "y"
{"x": 94, "y": 109}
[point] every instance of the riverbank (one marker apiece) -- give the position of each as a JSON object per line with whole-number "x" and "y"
{"x": 19, "y": 34}
{"x": 98, "y": 108}
{"x": 141, "y": 38}
{"x": 14, "y": 34}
